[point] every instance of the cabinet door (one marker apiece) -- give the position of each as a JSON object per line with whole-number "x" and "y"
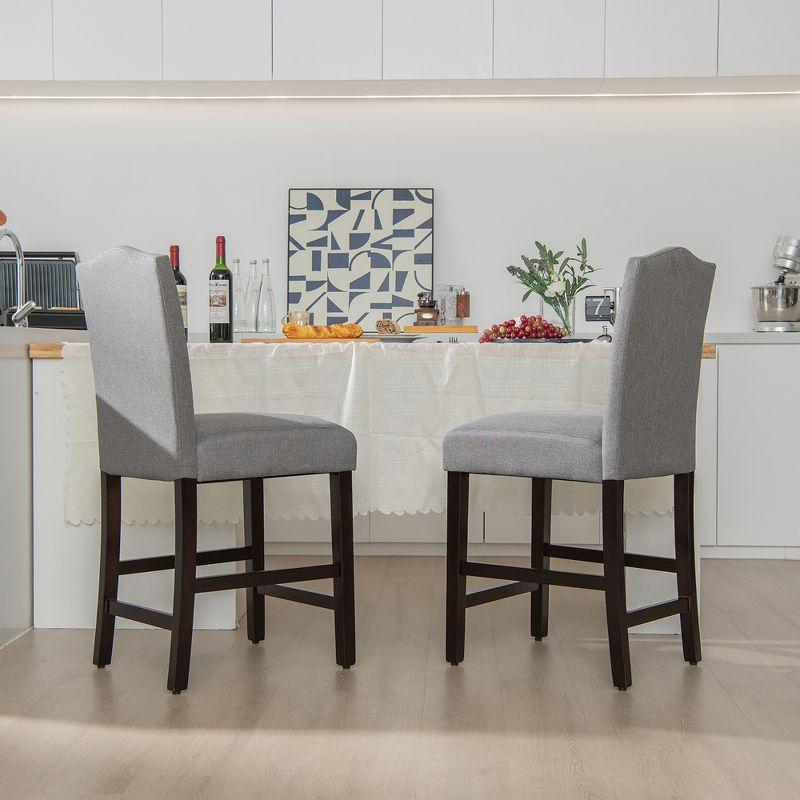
{"x": 757, "y": 461}
{"x": 28, "y": 40}
{"x": 320, "y": 40}
{"x": 705, "y": 473}
{"x": 419, "y": 528}
{"x": 564, "y": 528}
{"x": 661, "y": 38}
{"x": 442, "y": 39}
{"x": 205, "y": 40}
{"x": 759, "y": 37}
{"x": 107, "y": 40}
{"x": 548, "y": 38}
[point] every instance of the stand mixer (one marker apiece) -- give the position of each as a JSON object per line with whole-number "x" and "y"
{"x": 777, "y": 305}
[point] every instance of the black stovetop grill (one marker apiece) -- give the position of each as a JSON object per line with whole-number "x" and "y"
{"x": 50, "y": 280}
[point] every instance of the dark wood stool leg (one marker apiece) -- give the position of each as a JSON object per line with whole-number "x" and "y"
{"x": 180, "y": 651}
{"x": 614, "y": 571}
{"x": 343, "y": 586}
{"x": 110, "y": 522}
{"x": 457, "y": 512}
{"x": 541, "y": 496}
{"x": 685, "y": 561}
{"x": 253, "y": 491}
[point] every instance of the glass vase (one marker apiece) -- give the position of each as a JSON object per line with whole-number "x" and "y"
{"x": 564, "y": 318}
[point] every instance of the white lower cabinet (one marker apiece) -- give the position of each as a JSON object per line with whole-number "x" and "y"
{"x": 419, "y": 528}
{"x": 564, "y": 528}
{"x": 312, "y": 530}
{"x": 757, "y": 461}
{"x": 705, "y": 474}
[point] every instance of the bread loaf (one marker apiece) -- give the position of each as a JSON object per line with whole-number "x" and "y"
{"x": 349, "y": 330}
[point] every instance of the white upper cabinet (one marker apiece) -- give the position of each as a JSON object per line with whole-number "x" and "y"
{"x": 548, "y": 38}
{"x": 324, "y": 40}
{"x": 437, "y": 39}
{"x": 107, "y": 40}
{"x": 206, "y": 40}
{"x": 759, "y": 37}
{"x": 27, "y": 40}
{"x": 661, "y": 38}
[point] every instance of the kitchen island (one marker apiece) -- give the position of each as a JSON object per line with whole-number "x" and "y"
{"x": 399, "y": 399}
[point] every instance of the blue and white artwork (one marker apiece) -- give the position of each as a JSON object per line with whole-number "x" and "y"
{"x": 359, "y": 255}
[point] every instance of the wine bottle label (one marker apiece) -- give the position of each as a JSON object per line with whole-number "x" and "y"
{"x": 182, "y": 301}
{"x": 218, "y": 301}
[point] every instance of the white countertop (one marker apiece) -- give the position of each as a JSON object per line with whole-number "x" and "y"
{"x": 751, "y": 337}
{"x": 14, "y": 341}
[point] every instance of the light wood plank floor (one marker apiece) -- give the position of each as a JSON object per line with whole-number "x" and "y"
{"x": 516, "y": 720}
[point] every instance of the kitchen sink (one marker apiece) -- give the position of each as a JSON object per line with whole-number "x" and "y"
{"x": 62, "y": 319}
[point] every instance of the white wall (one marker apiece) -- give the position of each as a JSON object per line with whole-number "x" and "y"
{"x": 631, "y": 174}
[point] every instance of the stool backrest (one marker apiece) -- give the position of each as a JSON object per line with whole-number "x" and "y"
{"x": 145, "y": 411}
{"x": 651, "y": 409}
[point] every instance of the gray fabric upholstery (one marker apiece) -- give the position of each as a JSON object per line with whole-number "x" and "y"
{"x": 540, "y": 444}
{"x": 268, "y": 445}
{"x": 147, "y": 427}
{"x": 145, "y": 413}
{"x": 651, "y": 408}
{"x": 648, "y": 426}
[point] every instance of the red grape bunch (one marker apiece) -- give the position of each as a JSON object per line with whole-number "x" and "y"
{"x": 527, "y": 328}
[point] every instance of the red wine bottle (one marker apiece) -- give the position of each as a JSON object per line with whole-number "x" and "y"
{"x": 180, "y": 283}
{"x": 220, "y": 293}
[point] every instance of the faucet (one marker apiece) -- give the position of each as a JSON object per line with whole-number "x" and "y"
{"x": 20, "y": 317}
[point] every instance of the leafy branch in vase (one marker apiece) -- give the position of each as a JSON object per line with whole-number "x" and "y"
{"x": 556, "y": 278}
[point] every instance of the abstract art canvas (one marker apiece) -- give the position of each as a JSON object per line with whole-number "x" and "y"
{"x": 359, "y": 255}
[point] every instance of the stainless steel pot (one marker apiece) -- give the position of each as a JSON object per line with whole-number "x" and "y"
{"x": 776, "y": 302}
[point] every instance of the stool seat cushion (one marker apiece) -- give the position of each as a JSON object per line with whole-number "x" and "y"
{"x": 240, "y": 445}
{"x": 565, "y": 445}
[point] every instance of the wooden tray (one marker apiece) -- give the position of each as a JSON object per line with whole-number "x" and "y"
{"x": 285, "y": 339}
{"x": 439, "y": 329}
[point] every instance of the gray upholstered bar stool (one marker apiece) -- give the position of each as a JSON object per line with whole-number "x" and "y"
{"x": 646, "y": 430}
{"x": 148, "y": 429}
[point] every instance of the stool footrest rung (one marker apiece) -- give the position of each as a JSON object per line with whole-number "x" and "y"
{"x": 134, "y": 566}
{"x": 298, "y": 595}
{"x": 269, "y": 577}
{"x": 636, "y": 560}
{"x": 530, "y": 575}
{"x": 147, "y": 616}
{"x": 481, "y": 596}
{"x": 639, "y": 616}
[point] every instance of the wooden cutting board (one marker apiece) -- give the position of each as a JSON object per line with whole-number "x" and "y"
{"x": 439, "y": 329}
{"x": 286, "y": 339}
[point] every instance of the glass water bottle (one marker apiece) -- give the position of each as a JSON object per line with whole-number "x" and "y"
{"x": 266, "y": 302}
{"x": 251, "y": 298}
{"x": 239, "y": 304}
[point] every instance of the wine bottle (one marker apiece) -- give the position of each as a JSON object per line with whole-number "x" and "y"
{"x": 220, "y": 322}
{"x": 266, "y": 302}
{"x": 180, "y": 283}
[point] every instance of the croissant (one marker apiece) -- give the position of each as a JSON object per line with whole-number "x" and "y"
{"x": 349, "y": 330}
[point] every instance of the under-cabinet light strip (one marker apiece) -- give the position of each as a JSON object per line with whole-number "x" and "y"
{"x": 504, "y": 96}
